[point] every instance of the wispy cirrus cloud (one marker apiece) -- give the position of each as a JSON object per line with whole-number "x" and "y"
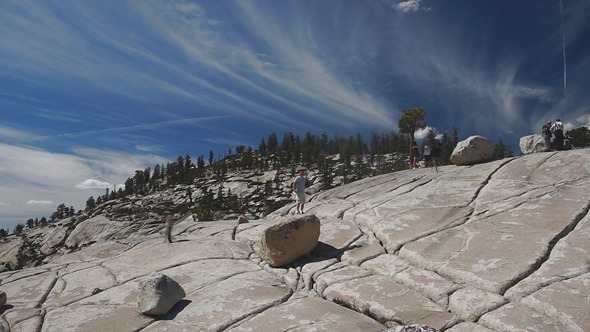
{"x": 146, "y": 126}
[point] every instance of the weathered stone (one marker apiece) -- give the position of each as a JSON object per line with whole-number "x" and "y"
{"x": 517, "y": 317}
{"x": 565, "y": 301}
{"x": 471, "y": 303}
{"x": 386, "y": 265}
{"x": 94, "y": 318}
{"x": 158, "y": 294}
{"x": 568, "y": 259}
{"x": 338, "y": 273}
{"x": 289, "y": 239}
{"x": 386, "y": 300}
{"x": 303, "y": 314}
{"x": 156, "y": 256}
{"x": 219, "y": 305}
{"x": 67, "y": 288}
{"x": 427, "y": 283}
{"x": 473, "y": 150}
{"x": 532, "y": 144}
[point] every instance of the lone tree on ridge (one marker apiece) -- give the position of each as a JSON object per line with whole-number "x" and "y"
{"x": 411, "y": 119}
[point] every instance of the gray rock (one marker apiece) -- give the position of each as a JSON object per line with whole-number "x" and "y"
{"x": 532, "y": 144}
{"x": 412, "y": 328}
{"x": 287, "y": 240}
{"x": 158, "y": 294}
{"x": 474, "y": 150}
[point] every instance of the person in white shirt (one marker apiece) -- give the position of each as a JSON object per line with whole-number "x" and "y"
{"x": 299, "y": 191}
{"x": 557, "y": 130}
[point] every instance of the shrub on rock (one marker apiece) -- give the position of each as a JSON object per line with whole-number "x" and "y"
{"x": 289, "y": 239}
{"x": 474, "y": 150}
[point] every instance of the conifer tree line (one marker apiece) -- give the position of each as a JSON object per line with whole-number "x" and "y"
{"x": 288, "y": 151}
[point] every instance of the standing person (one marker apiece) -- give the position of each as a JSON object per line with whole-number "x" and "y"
{"x": 427, "y": 157}
{"x": 299, "y": 190}
{"x": 546, "y": 130}
{"x": 435, "y": 154}
{"x": 169, "y": 224}
{"x": 415, "y": 154}
{"x": 557, "y": 130}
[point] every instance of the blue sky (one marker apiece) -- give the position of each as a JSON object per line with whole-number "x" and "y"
{"x": 91, "y": 91}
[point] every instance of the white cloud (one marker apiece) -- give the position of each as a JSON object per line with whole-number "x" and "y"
{"x": 568, "y": 126}
{"x": 93, "y": 184}
{"x": 422, "y": 133}
{"x": 411, "y": 6}
{"x": 584, "y": 120}
{"x": 33, "y": 180}
{"x": 34, "y": 202}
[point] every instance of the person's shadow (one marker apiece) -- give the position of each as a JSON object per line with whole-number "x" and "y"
{"x": 5, "y": 308}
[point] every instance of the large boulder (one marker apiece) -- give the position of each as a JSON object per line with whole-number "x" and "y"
{"x": 474, "y": 150}
{"x": 533, "y": 144}
{"x": 158, "y": 293}
{"x": 289, "y": 239}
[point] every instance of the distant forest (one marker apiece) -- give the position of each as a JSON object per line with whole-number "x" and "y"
{"x": 291, "y": 151}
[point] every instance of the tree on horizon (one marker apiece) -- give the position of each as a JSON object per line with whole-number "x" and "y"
{"x": 411, "y": 119}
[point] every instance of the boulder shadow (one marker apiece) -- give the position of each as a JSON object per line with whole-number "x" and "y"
{"x": 325, "y": 250}
{"x": 178, "y": 307}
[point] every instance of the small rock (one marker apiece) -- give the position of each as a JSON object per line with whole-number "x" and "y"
{"x": 475, "y": 149}
{"x": 289, "y": 239}
{"x": 158, "y": 294}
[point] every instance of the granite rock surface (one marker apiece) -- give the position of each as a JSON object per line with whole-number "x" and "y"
{"x": 499, "y": 246}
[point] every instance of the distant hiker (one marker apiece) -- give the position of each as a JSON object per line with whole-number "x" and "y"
{"x": 546, "y": 130}
{"x": 170, "y": 221}
{"x": 299, "y": 191}
{"x": 557, "y": 130}
{"x": 435, "y": 153}
{"x": 169, "y": 224}
{"x": 415, "y": 155}
{"x": 427, "y": 157}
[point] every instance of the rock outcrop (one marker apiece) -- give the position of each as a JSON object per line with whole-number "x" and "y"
{"x": 473, "y": 150}
{"x": 500, "y": 246}
{"x": 533, "y": 144}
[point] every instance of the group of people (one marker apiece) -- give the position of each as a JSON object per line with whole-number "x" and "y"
{"x": 430, "y": 154}
{"x": 554, "y": 136}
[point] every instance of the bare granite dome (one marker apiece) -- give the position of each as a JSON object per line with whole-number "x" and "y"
{"x": 500, "y": 246}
